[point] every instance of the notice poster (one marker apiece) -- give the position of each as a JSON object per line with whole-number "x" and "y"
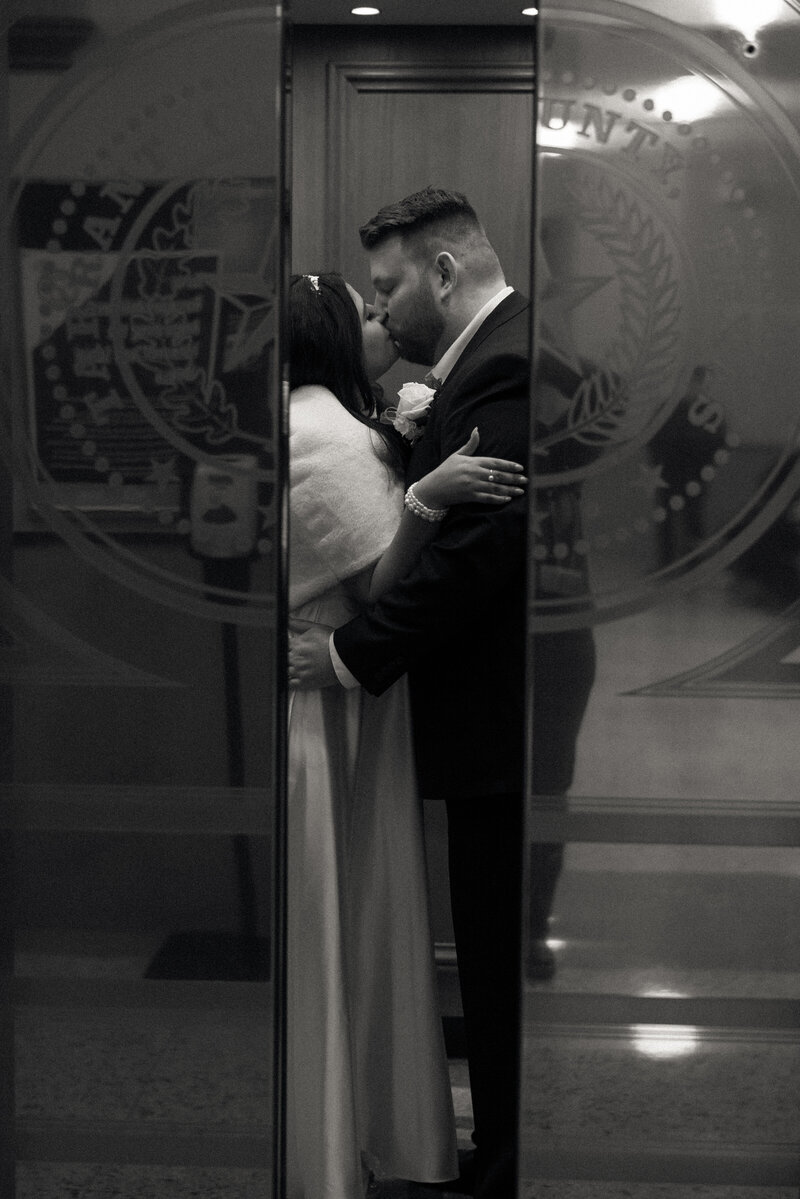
{"x": 148, "y": 325}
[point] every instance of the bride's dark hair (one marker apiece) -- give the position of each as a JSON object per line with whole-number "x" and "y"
{"x": 326, "y": 348}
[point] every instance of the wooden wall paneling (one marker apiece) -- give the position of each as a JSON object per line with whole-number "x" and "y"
{"x": 378, "y": 113}
{"x": 394, "y": 130}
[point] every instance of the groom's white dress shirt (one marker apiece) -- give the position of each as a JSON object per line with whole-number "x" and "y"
{"x": 441, "y": 370}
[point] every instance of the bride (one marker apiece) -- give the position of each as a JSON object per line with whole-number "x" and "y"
{"x": 369, "y": 1091}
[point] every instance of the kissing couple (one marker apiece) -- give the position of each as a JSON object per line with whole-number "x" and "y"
{"x": 408, "y": 583}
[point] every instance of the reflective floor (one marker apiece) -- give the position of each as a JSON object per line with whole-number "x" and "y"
{"x": 628, "y": 1085}
{"x": 694, "y": 711}
{"x": 702, "y": 922}
{"x": 639, "y": 1088}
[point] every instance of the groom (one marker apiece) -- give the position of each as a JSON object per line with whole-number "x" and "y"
{"x": 457, "y": 625}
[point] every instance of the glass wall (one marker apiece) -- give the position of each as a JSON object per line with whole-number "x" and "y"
{"x": 140, "y": 639}
{"x": 661, "y": 1042}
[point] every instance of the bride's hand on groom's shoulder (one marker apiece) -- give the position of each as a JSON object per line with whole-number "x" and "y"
{"x": 310, "y": 665}
{"x": 462, "y": 479}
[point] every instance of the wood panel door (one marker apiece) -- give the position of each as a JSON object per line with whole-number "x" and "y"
{"x": 381, "y": 113}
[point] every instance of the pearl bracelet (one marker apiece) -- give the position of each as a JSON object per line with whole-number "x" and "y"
{"x": 419, "y": 509}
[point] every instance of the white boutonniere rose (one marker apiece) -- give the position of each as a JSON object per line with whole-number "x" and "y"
{"x": 411, "y": 413}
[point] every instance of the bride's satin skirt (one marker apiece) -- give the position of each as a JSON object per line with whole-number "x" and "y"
{"x": 369, "y": 1086}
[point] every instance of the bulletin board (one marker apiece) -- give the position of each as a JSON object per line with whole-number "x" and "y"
{"x": 148, "y": 321}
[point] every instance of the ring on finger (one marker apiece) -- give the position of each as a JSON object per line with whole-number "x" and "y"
{"x": 491, "y": 476}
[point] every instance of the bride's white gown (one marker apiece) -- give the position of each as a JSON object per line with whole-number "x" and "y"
{"x": 368, "y": 1080}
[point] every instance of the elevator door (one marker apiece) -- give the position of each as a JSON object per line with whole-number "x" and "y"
{"x": 662, "y": 1056}
{"x": 140, "y": 636}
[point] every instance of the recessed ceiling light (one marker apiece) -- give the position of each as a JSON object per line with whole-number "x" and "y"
{"x": 365, "y": 10}
{"x": 530, "y": 12}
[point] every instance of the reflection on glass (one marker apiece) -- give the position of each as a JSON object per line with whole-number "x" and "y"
{"x": 140, "y": 637}
{"x": 664, "y": 1040}
{"x": 662, "y": 1049}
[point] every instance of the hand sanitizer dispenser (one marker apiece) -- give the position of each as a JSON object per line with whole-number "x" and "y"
{"x": 223, "y": 506}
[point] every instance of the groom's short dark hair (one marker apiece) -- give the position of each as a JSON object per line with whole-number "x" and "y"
{"x": 433, "y": 206}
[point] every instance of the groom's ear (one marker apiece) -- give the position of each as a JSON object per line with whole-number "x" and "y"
{"x": 446, "y": 273}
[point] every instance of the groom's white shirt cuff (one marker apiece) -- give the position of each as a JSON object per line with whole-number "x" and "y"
{"x": 342, "y": 673}
{"x": 441, "y": 370}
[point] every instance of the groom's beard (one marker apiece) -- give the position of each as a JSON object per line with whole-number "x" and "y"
{"x": 421, "y": 334}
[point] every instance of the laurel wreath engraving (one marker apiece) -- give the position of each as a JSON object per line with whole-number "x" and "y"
{"x": 201, "y": 408}
{"x": 194, "y": 402}
{"x": 616, "y": 400}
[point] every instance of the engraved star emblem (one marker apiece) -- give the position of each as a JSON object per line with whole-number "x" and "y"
{"x": 162, "y": 474}
{"x": 561, "y": 296}
{"x": 649, "y": 478}
{"x": 252, "y": 293}
{"x": 255, "y": 303}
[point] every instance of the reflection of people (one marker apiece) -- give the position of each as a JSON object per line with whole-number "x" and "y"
{"x": 368, "y": 1081}
{"x": 456, "y": 623}
{"x": 562, "y": 663}
{"x": 683, "y": 446}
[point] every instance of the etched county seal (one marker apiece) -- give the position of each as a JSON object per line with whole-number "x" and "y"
{"x": 663, "y": 424}
{"x": 145, "y": 210}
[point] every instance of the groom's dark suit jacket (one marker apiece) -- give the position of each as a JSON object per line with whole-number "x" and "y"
{"x": 456, "y": 623}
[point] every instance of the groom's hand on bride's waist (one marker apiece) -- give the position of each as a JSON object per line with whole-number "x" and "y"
{"x": 310, "y": 665}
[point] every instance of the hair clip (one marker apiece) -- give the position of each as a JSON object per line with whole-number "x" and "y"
{"x": 313, "y": 280}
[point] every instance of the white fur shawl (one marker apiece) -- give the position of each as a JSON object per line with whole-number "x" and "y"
{"x": 345, "y": 501}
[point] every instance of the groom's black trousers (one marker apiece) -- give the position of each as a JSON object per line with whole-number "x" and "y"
{"x": 485, "y": 840}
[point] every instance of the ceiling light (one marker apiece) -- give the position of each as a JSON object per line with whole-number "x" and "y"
{"x": 688, "y": 98}
{"x": 530, "y": 12}
{"x": 365, "y": 10}
{"x": 749, "y": 18}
